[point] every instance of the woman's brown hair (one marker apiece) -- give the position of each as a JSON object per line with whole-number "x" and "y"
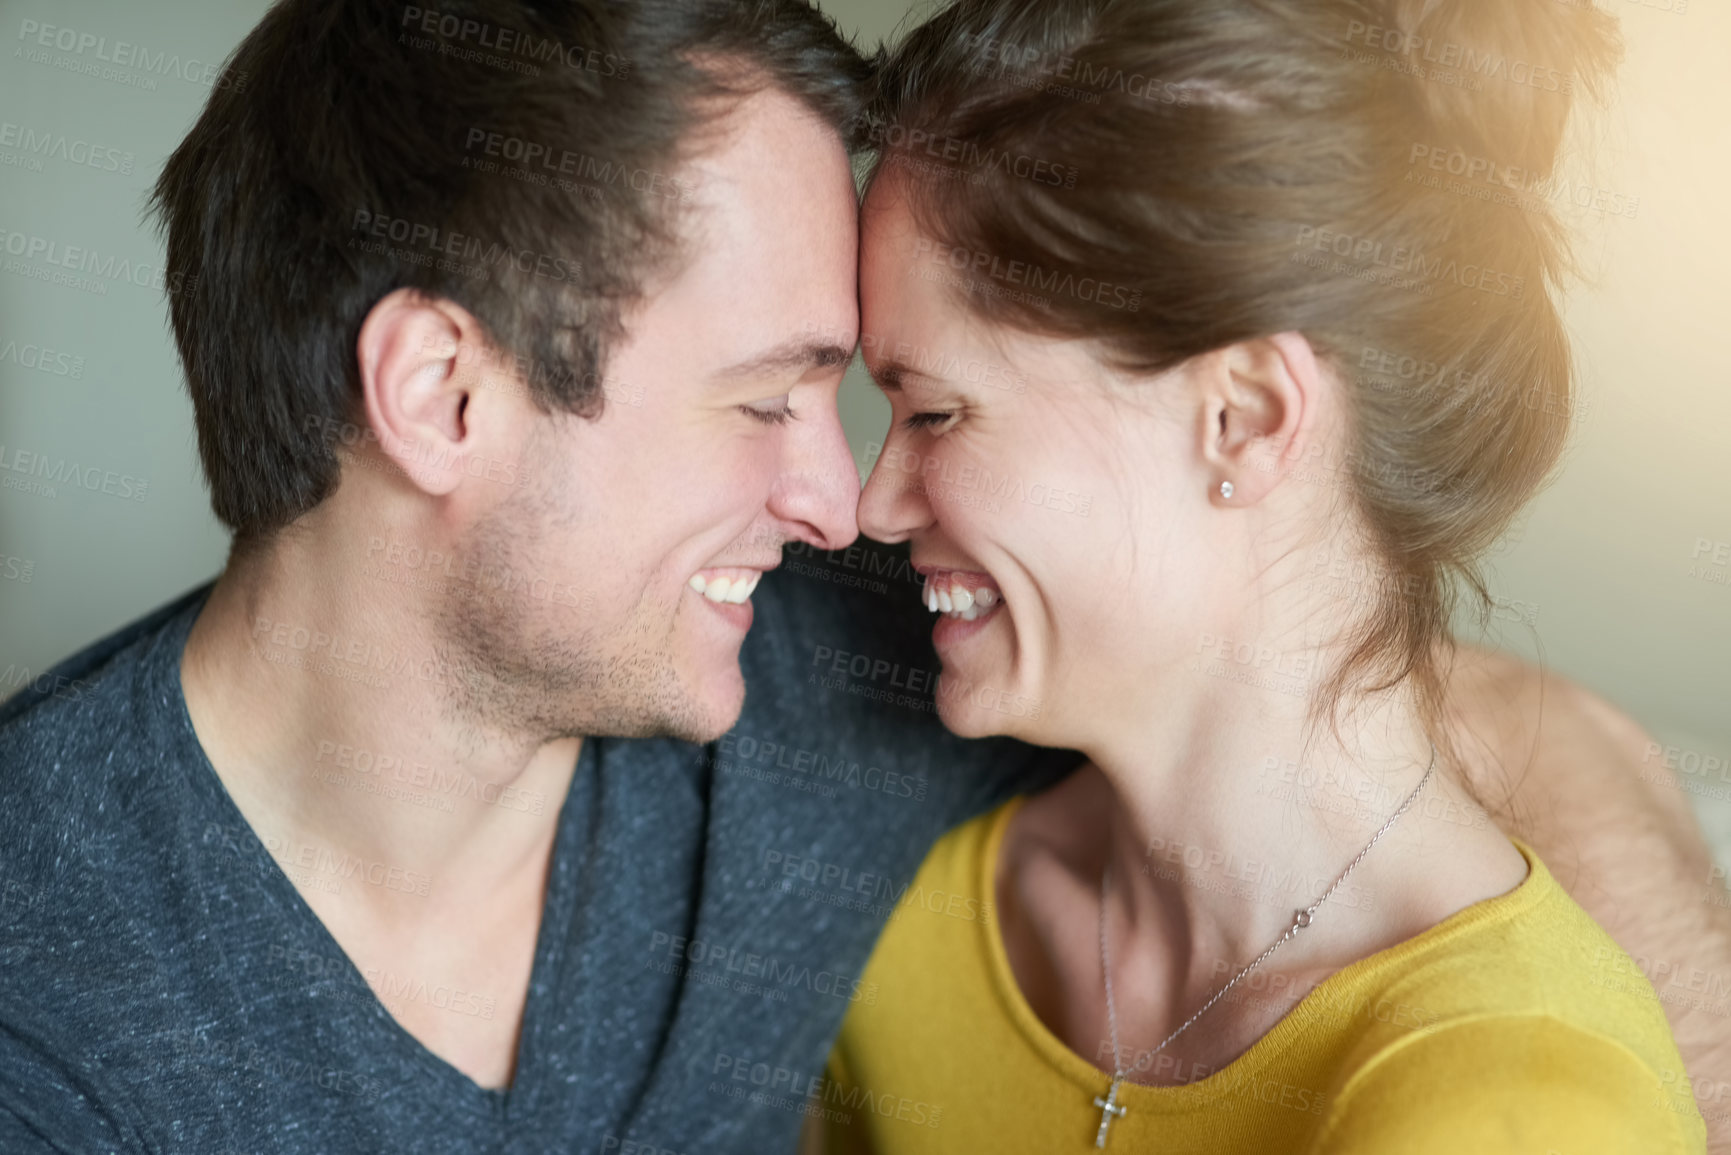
{"x": 1171, "y": 177}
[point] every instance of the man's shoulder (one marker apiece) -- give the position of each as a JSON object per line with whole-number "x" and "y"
{"x": 100, "y": 864}
{"x": 75, "y": 746}
{"x": 75, "y": 679}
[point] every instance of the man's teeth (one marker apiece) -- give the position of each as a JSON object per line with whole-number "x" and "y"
{"x": 957, "y": 601}
{"x": 720, "y": 589}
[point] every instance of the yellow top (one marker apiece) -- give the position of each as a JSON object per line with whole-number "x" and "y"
{"x": 1513, "y": 1026}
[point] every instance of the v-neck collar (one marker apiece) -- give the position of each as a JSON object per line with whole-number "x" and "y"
{"x": 444, "y": 1082}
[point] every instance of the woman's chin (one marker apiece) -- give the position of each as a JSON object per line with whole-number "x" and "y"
{"x": 973, "y": 709}
{"x": 966, "y": 721}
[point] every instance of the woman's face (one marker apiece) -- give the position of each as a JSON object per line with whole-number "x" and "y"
{"x": 1066, "y": 502}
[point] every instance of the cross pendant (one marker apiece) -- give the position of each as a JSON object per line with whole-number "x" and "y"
{"x": 1109, "y": 1110}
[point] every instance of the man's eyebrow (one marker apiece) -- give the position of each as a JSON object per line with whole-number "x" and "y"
{"x": 795, "y": 354}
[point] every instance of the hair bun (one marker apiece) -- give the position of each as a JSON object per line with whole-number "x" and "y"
{"x": 1494, "y": 77}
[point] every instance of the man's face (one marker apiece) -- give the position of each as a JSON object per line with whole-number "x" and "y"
{"x": 720, "y": 441}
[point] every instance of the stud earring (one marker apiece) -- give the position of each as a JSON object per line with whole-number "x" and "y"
{"x": 1226, "y": 490}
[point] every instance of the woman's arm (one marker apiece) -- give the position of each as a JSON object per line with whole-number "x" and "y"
{"x": 1575, "y": 778}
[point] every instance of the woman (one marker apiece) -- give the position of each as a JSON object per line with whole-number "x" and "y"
{"x": 1284, "y": 384}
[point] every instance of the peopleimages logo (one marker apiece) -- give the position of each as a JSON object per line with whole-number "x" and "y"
{"x": 682, "y": 953}
{"x": 42, "y": 359}
{"x": 1509, "y": 184}
{"x": 86, "y": 46}
{"x": 966, "y": 154}
{"x": 448, "y": 249}
{"x": 1448, "y": 54}
{"x": 540, "y": 160}
{"x": 1373, "y": 255}
{"x": 1026, "y": 275}
{"x": 59, "y": 146}
{"x": 456, "y": 33}
{"x": 82, "y": 259}
{"x": 60, "y": 471}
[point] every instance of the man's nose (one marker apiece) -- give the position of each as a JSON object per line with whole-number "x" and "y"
{"x": 818, "y": 490}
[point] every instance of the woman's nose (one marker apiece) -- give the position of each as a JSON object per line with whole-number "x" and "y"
{"x": 893, "y": 505}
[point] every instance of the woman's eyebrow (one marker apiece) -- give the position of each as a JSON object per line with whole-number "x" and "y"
{"x": 890, "y": 375}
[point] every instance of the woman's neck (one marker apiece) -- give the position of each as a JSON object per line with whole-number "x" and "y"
{"x": 1215, "y": 832}
{"x": 1229, "y": 822}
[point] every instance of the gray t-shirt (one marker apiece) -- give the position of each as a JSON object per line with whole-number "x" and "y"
{"x": 165, "y": 988}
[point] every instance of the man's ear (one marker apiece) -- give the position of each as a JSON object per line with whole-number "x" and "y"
{"x": 1262, "y": 401}
{"x": 415, "y": 387}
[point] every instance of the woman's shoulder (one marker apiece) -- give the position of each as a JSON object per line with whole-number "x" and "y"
{"x": 958, "y": 856}
{"x": 1532, "y": 950}
{"x": 1511, "y": 1082}
{"x": 1051, "y": 827}
{"x": 933, "y": 962}
{"x": 954, "y": 880}
{"x": 1518, "y": 1018}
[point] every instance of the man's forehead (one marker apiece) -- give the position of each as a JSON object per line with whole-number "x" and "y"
{"x": 766, "y": 277}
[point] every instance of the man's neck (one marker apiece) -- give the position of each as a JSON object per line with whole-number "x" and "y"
{"x": 421, "y": 838}
{"x": 329, "y": 717}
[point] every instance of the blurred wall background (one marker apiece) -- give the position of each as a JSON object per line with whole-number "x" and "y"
{"x": 1619, "y": 576}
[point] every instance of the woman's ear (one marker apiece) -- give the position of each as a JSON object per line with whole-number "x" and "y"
{"x": 1261, "y": 401}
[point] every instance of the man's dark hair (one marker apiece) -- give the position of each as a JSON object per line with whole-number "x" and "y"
{"x": 515, "y": 157}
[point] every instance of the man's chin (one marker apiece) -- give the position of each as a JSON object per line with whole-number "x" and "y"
{"x": 715, "y": 700}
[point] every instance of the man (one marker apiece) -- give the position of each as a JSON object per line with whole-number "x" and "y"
{"x": 442, "y": 821}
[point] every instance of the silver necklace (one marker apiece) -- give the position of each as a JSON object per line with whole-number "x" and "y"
{"x": 1110, "y": 1109}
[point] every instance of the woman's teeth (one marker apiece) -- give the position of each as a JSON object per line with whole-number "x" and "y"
{"x": 955, "y": 600}
{"x": 721, "y": 589}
